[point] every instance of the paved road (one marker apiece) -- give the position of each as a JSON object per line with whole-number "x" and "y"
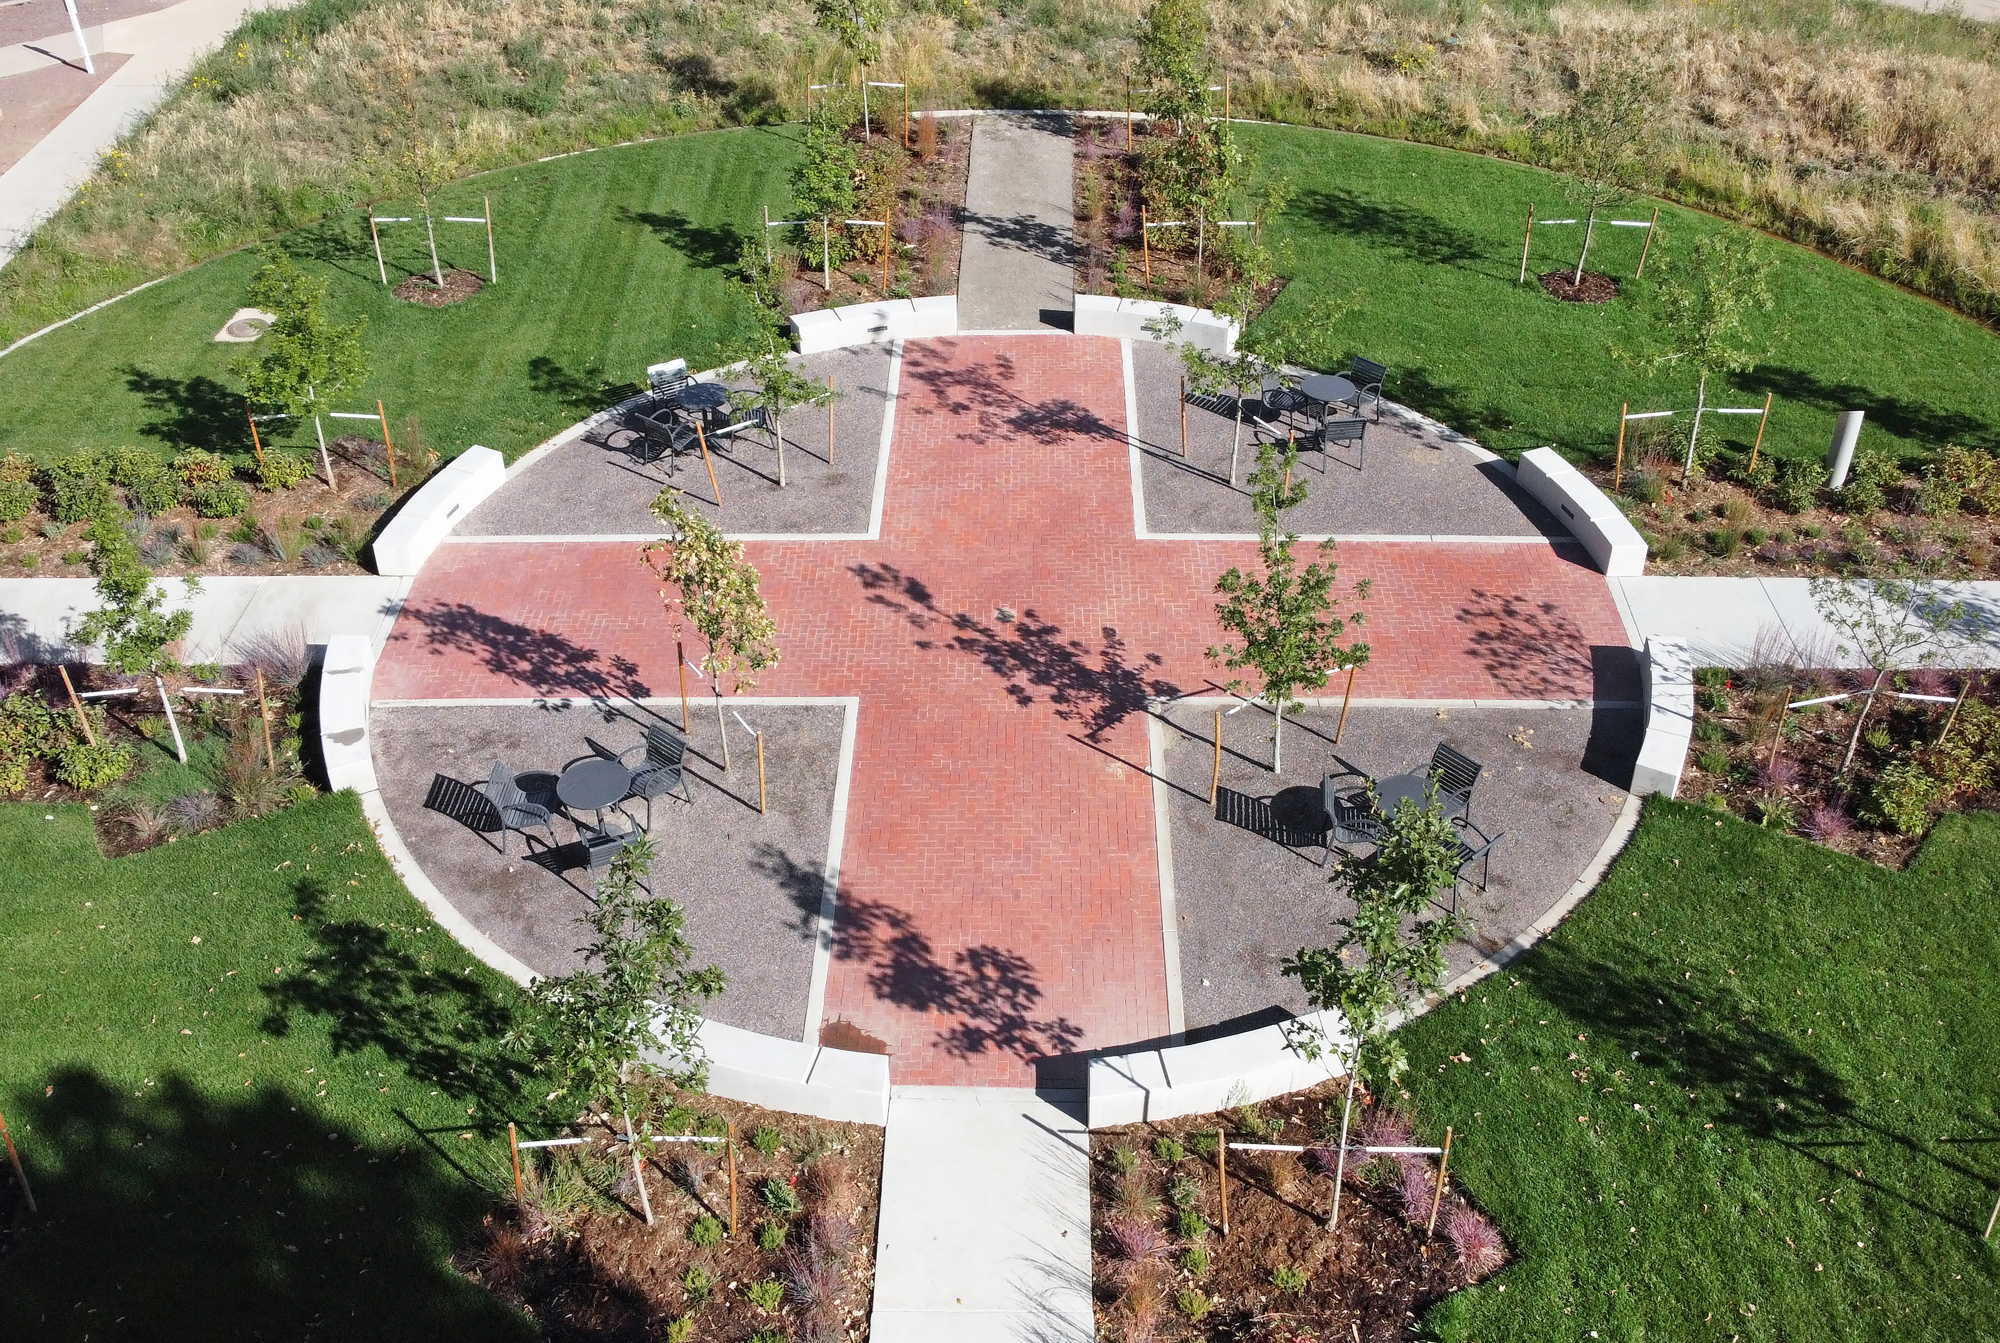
{"x": 1016, "y": 272}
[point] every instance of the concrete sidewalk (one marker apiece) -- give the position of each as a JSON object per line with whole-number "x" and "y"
{"x": 984, "y": 1234}
{"x": 162, "y": 45}
{"x": 36, "y": 614}
{"x": 1017, "y": 271}
{"x": 1724, "y": 618}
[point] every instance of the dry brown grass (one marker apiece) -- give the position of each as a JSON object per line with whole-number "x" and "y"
{"x": 1871, "y": 133}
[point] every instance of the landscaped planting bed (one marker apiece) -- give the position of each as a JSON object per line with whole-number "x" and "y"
{"x": 577, "y": 1255}
{"x": 1164, "y": 1269}
{"x": 1907, "y": 768}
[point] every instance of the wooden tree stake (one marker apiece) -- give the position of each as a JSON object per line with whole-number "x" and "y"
{"x": 1778, "y": 736}
{"x": 1526, "y": 239}
{"x": 1762, "y": 420}
{"x": 1222, "y": 1175}
{"x": 14, "y": 1158}
{"x": 908, "y": 143}
{"x": 1618, "y": 470}
{"x": 1215, "y": 779}
{"x": 1438, "y": 1196}
{"x": 760, "y": 774}
{"x": 1649, "y": 243}
{"x": 514, "y": 1144}
{"x": 1183, "y": 416}
{"x": 1345, "y": 700}
{"x": 1964, "y": 689}
{"x": 680, "y": 652}
{"x": 388, "y": 446}
{"x": 708, "y": 462}
{"x": 255, "y": 442}
{"x": 732, "y": 1177}
{"x": 76, "y": 704}
{"x": 264, "y": 711}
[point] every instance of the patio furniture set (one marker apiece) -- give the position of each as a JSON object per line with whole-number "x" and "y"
{"x": 601, "y": 781}
{"x": 682, "y": 416}
{"x": 1301, "y": 410}
{"x": 1359, "y": 812}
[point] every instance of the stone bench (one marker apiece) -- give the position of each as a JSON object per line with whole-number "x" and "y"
{"x": 1613, "y": 542}
{"x": 1669, "y": 716}
{"x": 345, "y": 676}
{"x": 790, "y": 1075}
{"x": 1240, "y": 1069}
{"x": 440, "y": 504}
{"x": 1107, "y": 315}
{"x": 874, "y": 323}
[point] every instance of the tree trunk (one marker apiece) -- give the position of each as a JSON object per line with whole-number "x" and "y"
{"x": 1236, "y": 439}
{"x": 437, "y": 271}
{"x": 1589, "y": 228}
{"x": 1278, "y": 739}
{"x": 1346, "y": 1113}
{"x": 1700, "y": 400}
{"x": 1867, "y": 704}
{"x": 778, "y": 429}
{"x": 720, "y": 730}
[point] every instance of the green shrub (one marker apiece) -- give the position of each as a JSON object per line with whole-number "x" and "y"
{"x": 767, "y": 1336}
{"x": 1796, "y": 484}
{"x": 771, "y": 1236}
{"x": 18, "y": 495}
{"x": 284, "y": 470}
{"x": 149, "y": 484}
{"x": 1713, "y": 762}
{"x": 1193, "y": 1303}
{"x": 1873, "y": 475}
{"x": 1725, "y": 543}
{"x": 1194, "y": 1261}
{"x": 1778, "y": 812}
{"x": 698, "y": 1282}
{"x": 1183, "y": 1192}
{"x": 1644, "y": 486}
{"x": 779, "y": 1196}
{"x": 1906, "y": 795}
{"x": 1960, "y": 478}
{"x": 767, "y": 1140}
{"x": 680, "y": 1329}
{"x": 1189, "y": 1224}
{"x": 1203, "y": 1142}
{"x": 705, "y": 1231}
{"x": 1124, "y": 1160}
{"x": 1289, "y": 1278}
{"x": 79, "y": 486}
{"x": 1670, "y": 548}
{"x": 1757, "y": 479}
{"x": 29, "y": 730}
{"x": 1168, "y": 1150}
{"x": 87, "y": 768}
{"x": 765, "y": 1295}
{"x": 226, "y": 499}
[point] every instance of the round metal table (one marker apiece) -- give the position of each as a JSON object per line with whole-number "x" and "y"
{"x": 704, "y": 398}
{"x": 593, "y": 785}
{"x": 1327, "y": 388}
{"x": 1392, "y": 792}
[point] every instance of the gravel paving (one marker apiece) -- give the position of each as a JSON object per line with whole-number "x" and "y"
{"x": 1410, "y": 485}
{"x": 750, "y": 884}
{"x": 1553, "y": 785}
{"x": 594, "y": 486}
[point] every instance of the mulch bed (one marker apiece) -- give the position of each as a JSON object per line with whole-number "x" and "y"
{"x": 1801, "y": 789}
{"x": 930, "y": 221}
{"x": 1372, "y": 1278}
{"x": 459, "y": 285}
{"x": 1594, "y": 289}
{"x": 577, "y": 1256}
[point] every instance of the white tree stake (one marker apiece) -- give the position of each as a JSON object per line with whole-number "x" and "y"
{"x": 180, "y": 747}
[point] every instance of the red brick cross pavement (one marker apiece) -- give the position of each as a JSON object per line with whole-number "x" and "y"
{"x": 1000, "y": 896}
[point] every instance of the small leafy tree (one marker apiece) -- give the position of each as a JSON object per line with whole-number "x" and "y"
{"x": 305, "y": 351}
{"x": 1303, "y": 335}
{"x": 1174, "y": 60}
{"x": 133, "y": 626}
{"x": 823, "y": 182}
{"x": 1705, "y": 304}
{"x": 855, "y": 24}
{"x": 634, "y": 1009}
{"x": 781, "y": 389}
{"x": 1887, "y": 621}
{"x": 715, "y": 590}
{"x": 1391, "y": 951}
{"x": 1601, "y": 141}
{"x": 426, "y": 163}
{"x": 1281, "y": 618}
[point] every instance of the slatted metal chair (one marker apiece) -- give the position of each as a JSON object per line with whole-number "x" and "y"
{"x": 662, "y": 434}
{"x": 514, "y": 809}
{"x": 1367, "y": 377}
{"x": 665, "y": 381}
{"x": 1457, "y": 774}
{"x": 1337, "y": 433}
{"x": 1350, "y": 815}
{"x": 1473, "y": 846}
{"x": 659, "y": 770}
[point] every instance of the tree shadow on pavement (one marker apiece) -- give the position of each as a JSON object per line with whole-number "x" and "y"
{"x": 546, "y": 663}
{"x": 981, "y": 394}
{"x": 1528, "y": 646}
{"x": 1096, "y": 687}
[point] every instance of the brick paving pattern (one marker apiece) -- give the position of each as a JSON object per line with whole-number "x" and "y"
{"x": 1000, "y": 894}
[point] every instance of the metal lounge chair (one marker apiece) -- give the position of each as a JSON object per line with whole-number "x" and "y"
{"x": 514, "y": 809}
{"x": 1456, "y": 774}
{"x": 1367, "y": 377}
{"x": 659, "y": 772}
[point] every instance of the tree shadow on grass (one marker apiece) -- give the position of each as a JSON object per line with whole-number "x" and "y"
{"x": 588, "y": 390}
{"x": 441, "y": 1026}
{"x": 544, "y": 662}
{"x": 192, "y": 1212}
{"x": 704, "y": 245}
{"x": 1396, "y": 228}
{"x": 1097, "y": 688}
{"x": 196, "y": 412}
{"x": 1929, "y": 425}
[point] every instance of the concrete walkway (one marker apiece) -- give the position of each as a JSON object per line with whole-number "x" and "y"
{"x": 36, "y": 614}
{"x": 161, "y": 46}
{"x": 1724, "y": 618}
{"x": 1017, "y": 272}
{"x": 985, "y": 1226}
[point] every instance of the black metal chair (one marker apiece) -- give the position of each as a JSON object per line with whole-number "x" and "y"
{"x": 1350, "y": 816}
{"x": 664, "y": 382}
{"x": 1473, "y": 846}
{"x": 1367, "y": 377}
{"x": 514, "y": 809}
{"x": 661, "y": 772}
{"x": 1326, "y": 437}
{"x": 1457, "y": 774}
{"x": 662, "y": 434}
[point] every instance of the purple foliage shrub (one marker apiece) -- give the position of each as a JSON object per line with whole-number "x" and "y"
{"x": 1476, "y": 1240}
{"x": 1827, "y": 824}
{"x": 1415, "y": 1186}
{"x": 1136, "y": 1240}
{"x": 1778, "y": 774}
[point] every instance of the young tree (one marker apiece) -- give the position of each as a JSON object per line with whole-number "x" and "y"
{"x": 1213, "y": 374}
{"x": 1705, "y": 303}
{"x": 855, "y": 24}
{"x": 1281, "y": 619}
{"x": 1600, "y": 142}
{"x": 823, "y": 183}
{"x": 715, "y": 590}
{"x": 427, "y": 163}
{"x": 781, "y": 389}
{"x": 1886, "y": 621}
{"x": 133, "y": 625}
{"x": 305, "y": 351}
{"x": 1174, "y": 61}
{"x": 633, "y": 1010}
{"x": 1390, "y": 953}
{"x": 1303, "y": 335}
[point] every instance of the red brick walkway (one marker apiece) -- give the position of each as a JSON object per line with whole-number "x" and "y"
{"x": 1000, "y": 891}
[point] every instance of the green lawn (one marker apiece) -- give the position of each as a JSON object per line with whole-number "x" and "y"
{"x": 608, "y": 261}
{"x": 1431, "y": 241}
{"x": 240, "y": 1069}
{"x": 1746, "y": 1092}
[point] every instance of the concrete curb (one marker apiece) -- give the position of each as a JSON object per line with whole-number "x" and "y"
{"x": 1240, "y": 1069}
